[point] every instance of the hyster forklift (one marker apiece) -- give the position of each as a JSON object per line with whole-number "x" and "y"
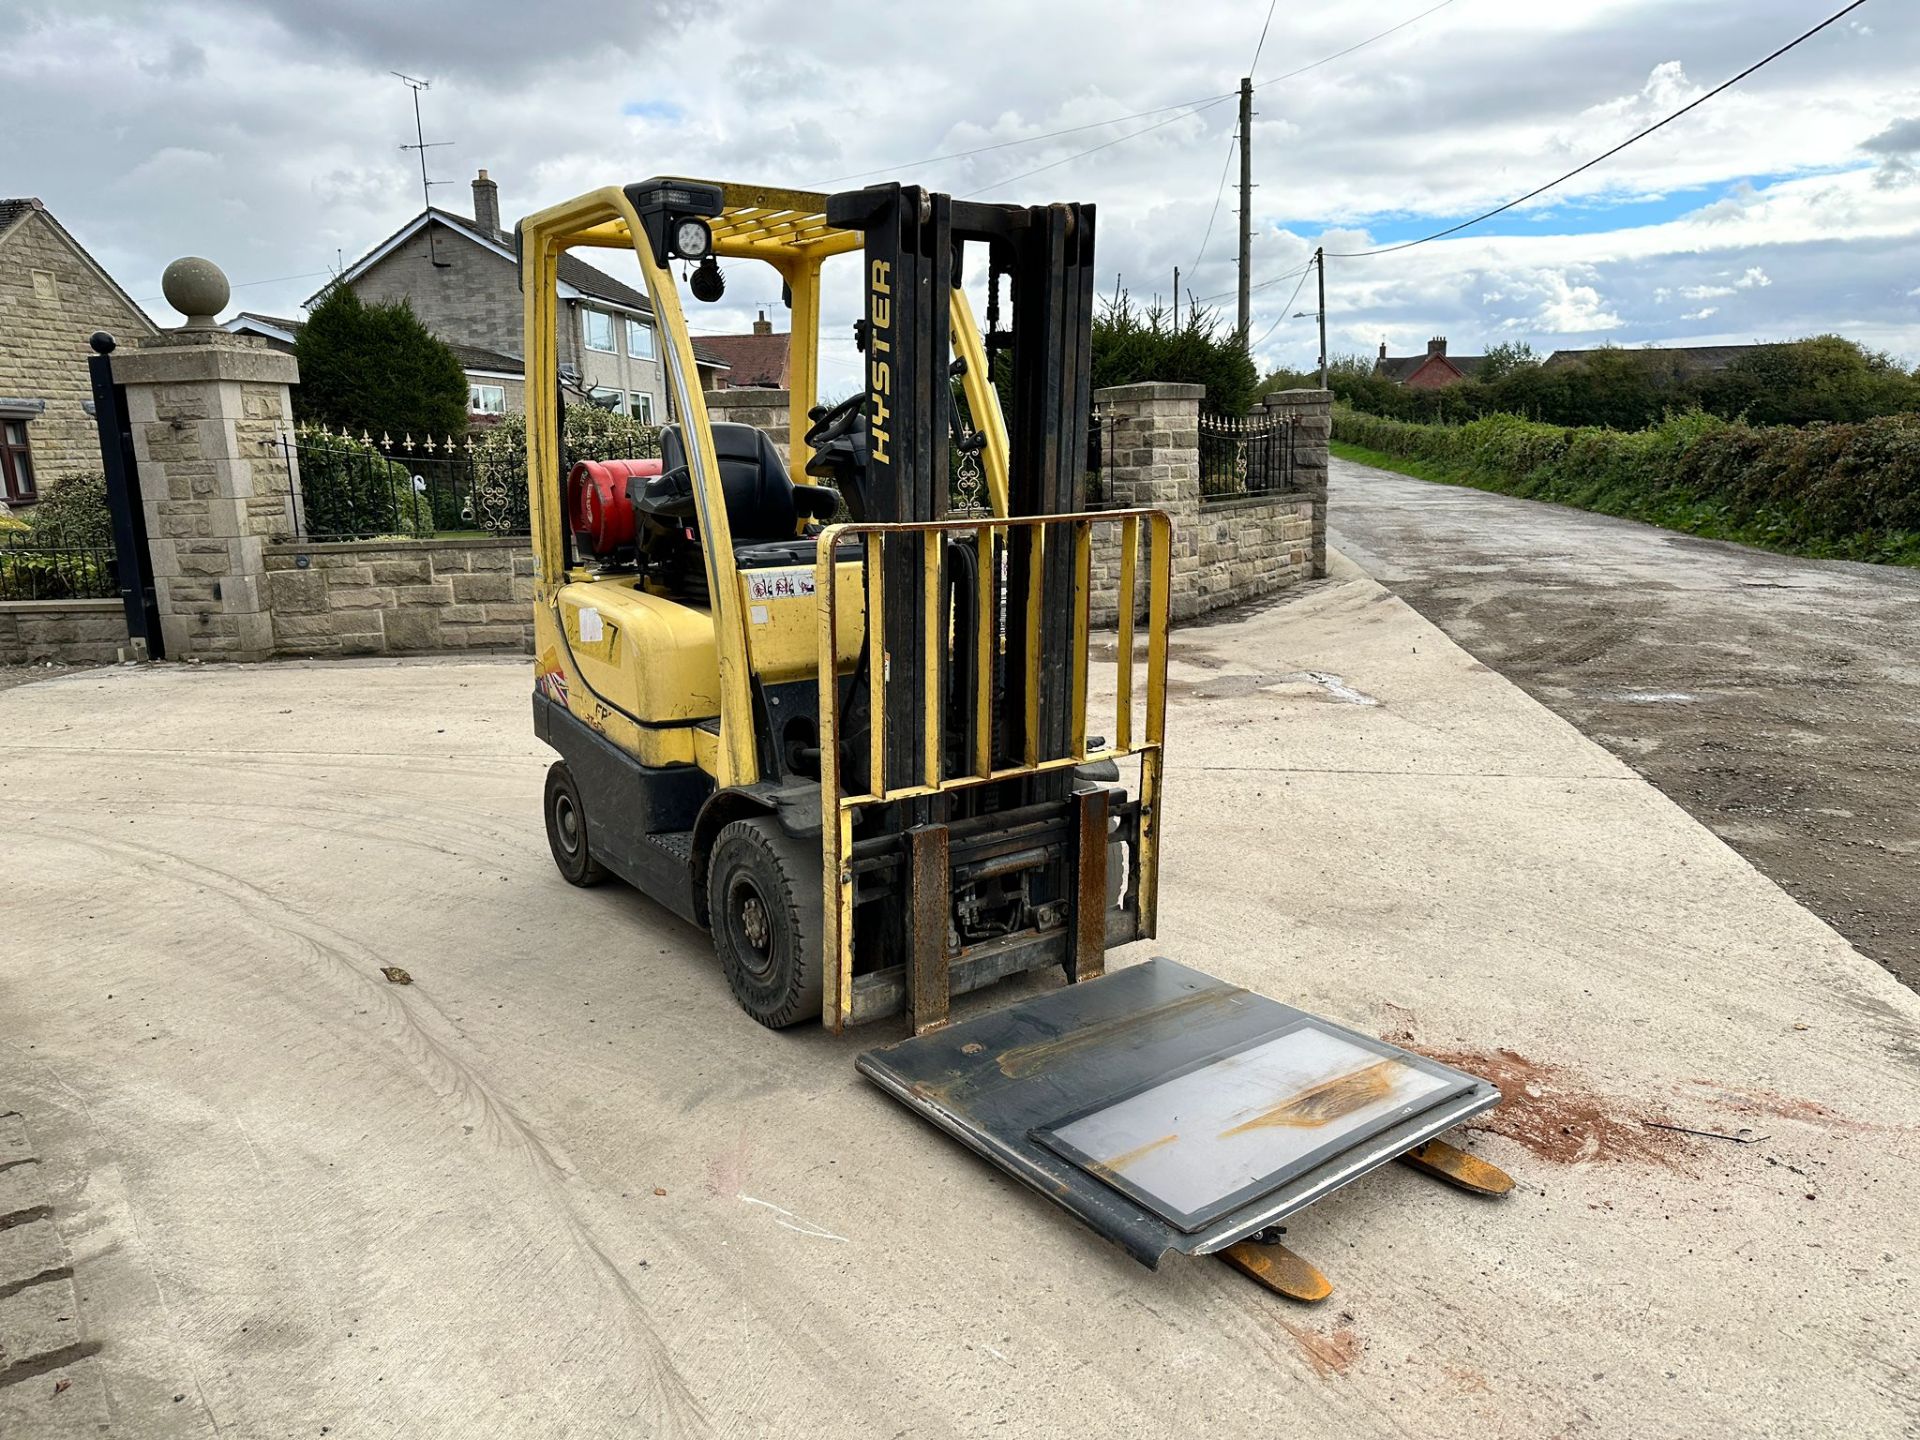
{"x": 800, "y": 704}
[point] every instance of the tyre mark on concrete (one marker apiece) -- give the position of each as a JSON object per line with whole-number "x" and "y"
{"x": 445, "y": 1073}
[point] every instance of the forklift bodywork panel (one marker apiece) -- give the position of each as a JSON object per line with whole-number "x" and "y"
{"x": 1172, "y": 1111}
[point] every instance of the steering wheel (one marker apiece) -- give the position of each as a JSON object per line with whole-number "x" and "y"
{"x": 836, "y": 422}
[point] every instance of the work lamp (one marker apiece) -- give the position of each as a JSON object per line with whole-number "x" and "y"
{"x": 692, "y": 240}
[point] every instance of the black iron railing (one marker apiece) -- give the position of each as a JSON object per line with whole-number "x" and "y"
{"x": 46, "y": 563}
{"x": 366, "y": 489}
{"x": 1245, "y": 455}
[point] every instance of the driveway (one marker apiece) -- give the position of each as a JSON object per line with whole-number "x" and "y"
{"x": 1776, "y": 699}
{"x": 558, "y": 1186}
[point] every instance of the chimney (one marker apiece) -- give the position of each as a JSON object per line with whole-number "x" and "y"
{"x": 1383, "y": 349}
{"x": 763, "y": 326}
{"x": 486, "y": 204}
{"x": 1437, "y": 346}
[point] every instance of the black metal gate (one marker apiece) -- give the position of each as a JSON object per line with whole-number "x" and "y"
{"x": 133, "y": 563}
{"x": 1245, "y": 455}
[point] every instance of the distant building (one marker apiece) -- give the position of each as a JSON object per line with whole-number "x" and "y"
{"x": 462, "y": 279}
{"x": 1680, "y": 359}
{"x": 53, "y": 295}
{"x": 755, "y": 361}
{"x": 1432, "y": 371}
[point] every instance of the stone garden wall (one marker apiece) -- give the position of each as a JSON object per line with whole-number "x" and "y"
{"x": 400, "y": 597}
{"x": 67, "y": 632}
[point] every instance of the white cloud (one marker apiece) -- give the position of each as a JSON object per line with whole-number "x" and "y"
{"x": 1702, "y": 314}
{"x": 264, "y": 134}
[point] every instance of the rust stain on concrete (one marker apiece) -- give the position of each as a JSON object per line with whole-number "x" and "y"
{"x": 1330, "y": 1353}
{"x": 1547, "y": 1109}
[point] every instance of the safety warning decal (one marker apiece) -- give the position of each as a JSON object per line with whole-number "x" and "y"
{"x": 779, "y": 584}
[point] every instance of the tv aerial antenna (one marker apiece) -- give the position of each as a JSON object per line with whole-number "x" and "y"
{"x": 421, "y": 145}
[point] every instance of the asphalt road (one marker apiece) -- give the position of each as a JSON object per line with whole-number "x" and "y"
{"x": 559, "y": 1186}
{"x": 1777, "y": 699}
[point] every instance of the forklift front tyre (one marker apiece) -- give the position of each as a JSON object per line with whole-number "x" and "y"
{"x": 567, "y": 828}
{"x": 764, "y": 902}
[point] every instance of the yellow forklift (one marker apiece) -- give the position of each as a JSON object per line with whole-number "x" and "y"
{"x": 801, "y": 704}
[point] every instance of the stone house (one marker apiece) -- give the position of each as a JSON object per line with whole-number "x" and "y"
{"x": 461, "y": 277}
{"x": 755, "y": 361}
{"x": 53, "y": 295}
{"x": 1432, "y": 371}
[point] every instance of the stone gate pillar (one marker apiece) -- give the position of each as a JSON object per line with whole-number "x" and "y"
{"x": 1151, "y": 443}
{"x": 1314, "y": 411}
{"x": 208, "y": 409}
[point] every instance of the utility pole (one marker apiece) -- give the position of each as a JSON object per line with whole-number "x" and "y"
{"x": 1176, "y": 295}
{"x": 1246, "y": 210}
{"x": 1320, "y": 264}
{"x": 420, "y": 144}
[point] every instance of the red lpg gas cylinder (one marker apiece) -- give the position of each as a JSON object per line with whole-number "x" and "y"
{"x": 598, "y": 510}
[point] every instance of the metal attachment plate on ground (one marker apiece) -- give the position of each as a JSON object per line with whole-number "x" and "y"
{"x": 1172, "y": 1111}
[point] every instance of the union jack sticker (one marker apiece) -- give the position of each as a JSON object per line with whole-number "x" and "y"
{"x": 552, "y": 684}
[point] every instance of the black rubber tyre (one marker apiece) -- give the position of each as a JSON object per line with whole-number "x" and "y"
{"x": 764, "y": 904}
{"x": 567, "y": 828}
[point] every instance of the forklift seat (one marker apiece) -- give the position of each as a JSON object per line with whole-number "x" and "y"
{"x": 763, "y": 503}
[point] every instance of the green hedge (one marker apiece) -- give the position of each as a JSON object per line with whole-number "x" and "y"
{"x": 1851, "y": 491}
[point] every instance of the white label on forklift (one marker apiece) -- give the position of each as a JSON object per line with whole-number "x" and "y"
{"x": 590, "y": 630}
{"x": 779, "y": 584}
{"x": 758, "y": 613}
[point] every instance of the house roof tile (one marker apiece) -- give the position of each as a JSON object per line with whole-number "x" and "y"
{"x": 752, "y": 360}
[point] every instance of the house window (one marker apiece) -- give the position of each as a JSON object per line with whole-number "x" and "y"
{"x": 614, "y": 400}
{"x": 16, "y": 464}
{"x": 639, "y": 340}
{"x": 640, "y": 406}
{"x": 599, "y": 327}
{"x": 483, "y": 399}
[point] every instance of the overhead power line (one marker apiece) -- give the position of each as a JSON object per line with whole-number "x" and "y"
{"x": 1190, "y": 107}
{"x": 1264, "y": 284}
{"x": 1324, "y": 60}
{"x": 1606, "y": 155}
{"x": 249, "y": 284}
{"x": 1081, "y": 154}
{"x": 1024, "y": 140}
{"x": 1232, "y": 142}
{"x": 1285, "y": 311}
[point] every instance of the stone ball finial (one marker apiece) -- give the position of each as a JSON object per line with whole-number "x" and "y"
{"x": 197, "y": 288}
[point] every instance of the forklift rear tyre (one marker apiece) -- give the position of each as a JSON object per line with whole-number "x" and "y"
{"x": 764, "y": 901}
{"x": 567, "y": 828}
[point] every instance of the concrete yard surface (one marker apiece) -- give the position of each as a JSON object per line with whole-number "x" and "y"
{"x": 560, "y": 1186}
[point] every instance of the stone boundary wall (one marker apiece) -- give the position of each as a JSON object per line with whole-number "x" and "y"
{"x": 1250, "y": 547}
{"x": 401, "y": 597}
{"x": 1225, "y": 552}
{"x": 766, "y": 409}
{"x": 68, "y": 632}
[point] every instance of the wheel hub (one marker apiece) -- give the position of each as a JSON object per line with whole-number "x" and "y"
{"x": 753, "y": 922}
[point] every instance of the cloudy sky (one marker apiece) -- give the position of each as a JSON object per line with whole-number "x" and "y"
{"x": 264, "y": 134}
